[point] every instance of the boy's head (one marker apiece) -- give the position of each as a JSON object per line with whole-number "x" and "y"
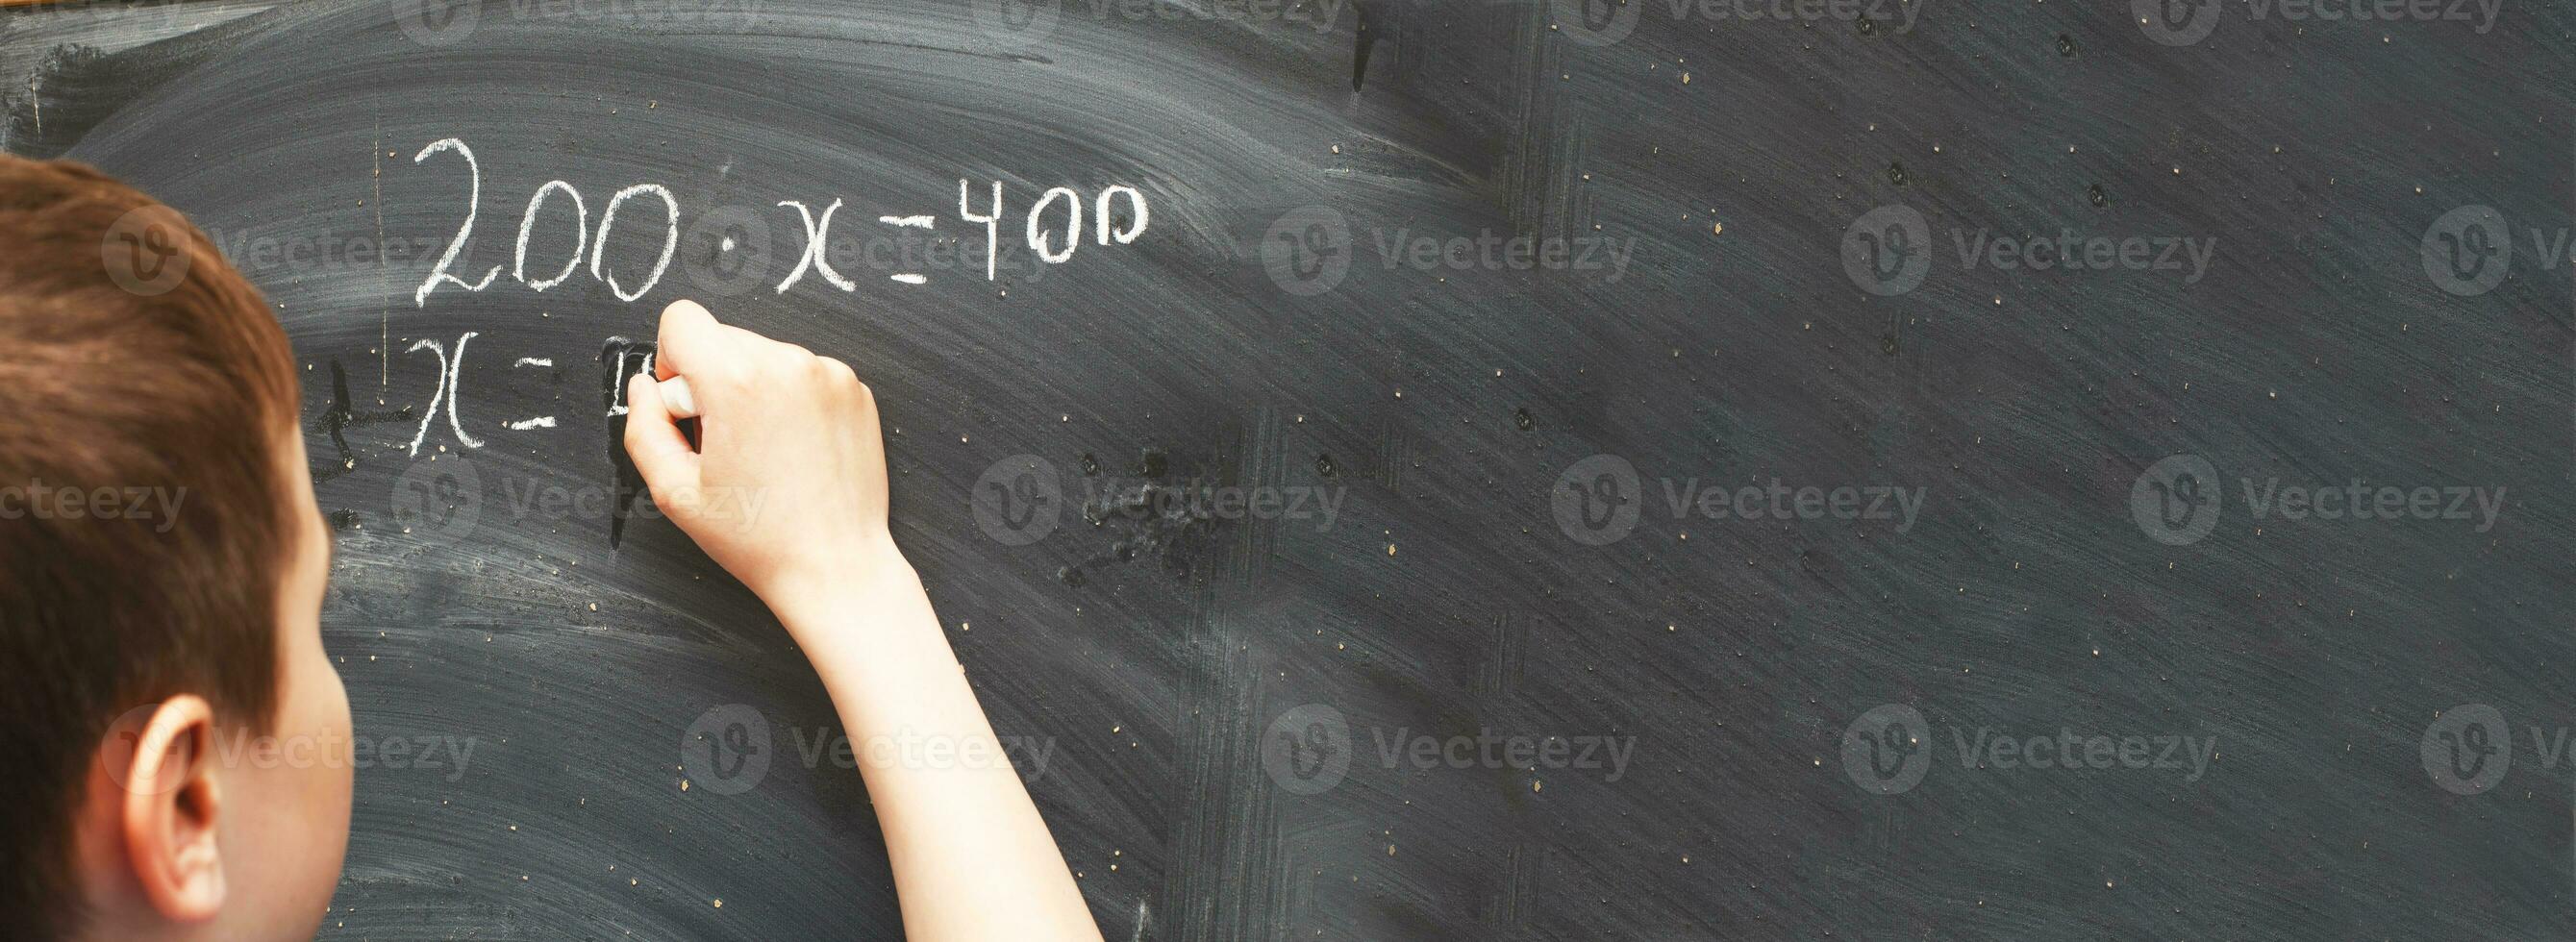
{"x": 177, "y": 739}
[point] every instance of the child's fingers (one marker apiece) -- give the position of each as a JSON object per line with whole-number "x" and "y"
{"x": 660, "y": 452}
{"x": 690, "y": 341}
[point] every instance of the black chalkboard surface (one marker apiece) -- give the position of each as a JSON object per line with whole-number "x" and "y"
{"x": 1443, "y": 470}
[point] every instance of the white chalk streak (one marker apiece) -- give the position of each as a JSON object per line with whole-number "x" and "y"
{"x": 670, "y": 238}
{"x": 447, "y": 390}
{"x": 817, "y": 236}
{"x": 473, "y": 204}
{"x": 528, "y": 223}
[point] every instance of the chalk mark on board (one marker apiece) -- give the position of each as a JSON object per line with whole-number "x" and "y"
{"x": 620, "y": 358}
{"x": 916, "y": 222}
{"x": 336, "y": 417}
{"x": 543, "y": 421}
{"x": 448, "y": 366}
{"x": 816, "y": 234}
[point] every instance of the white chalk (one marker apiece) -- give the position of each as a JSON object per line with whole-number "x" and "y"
{"x": 676, "y": 397}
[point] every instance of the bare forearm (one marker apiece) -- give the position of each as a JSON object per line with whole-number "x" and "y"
{"x": 972, "y": 859}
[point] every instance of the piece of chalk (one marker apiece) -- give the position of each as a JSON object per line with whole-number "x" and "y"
{"x": 676, "y": 397}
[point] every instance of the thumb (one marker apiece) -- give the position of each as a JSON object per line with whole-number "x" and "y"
{"x": 661, "y": 453}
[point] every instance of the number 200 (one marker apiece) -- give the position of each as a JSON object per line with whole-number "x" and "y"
{"x": 527, "y": 223}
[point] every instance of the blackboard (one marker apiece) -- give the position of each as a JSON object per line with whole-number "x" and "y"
{"x": 1508, "y": 287}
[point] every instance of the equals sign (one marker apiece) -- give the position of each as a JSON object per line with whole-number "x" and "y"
{"x": 909, "y": 222}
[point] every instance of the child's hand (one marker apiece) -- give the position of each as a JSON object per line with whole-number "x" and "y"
{"x": 788, "y": 492}
{"x": 788, "y": 488}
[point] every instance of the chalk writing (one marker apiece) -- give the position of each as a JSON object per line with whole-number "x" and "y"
{"x": 1108, "y": 228}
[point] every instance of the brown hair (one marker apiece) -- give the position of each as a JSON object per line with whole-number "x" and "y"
{"x": 132, "y": 358}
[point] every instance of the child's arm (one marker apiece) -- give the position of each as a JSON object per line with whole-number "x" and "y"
{"x": 788, "y": 492}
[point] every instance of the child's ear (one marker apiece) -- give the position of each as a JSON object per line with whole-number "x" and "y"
{"x": 171, "y": 803}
